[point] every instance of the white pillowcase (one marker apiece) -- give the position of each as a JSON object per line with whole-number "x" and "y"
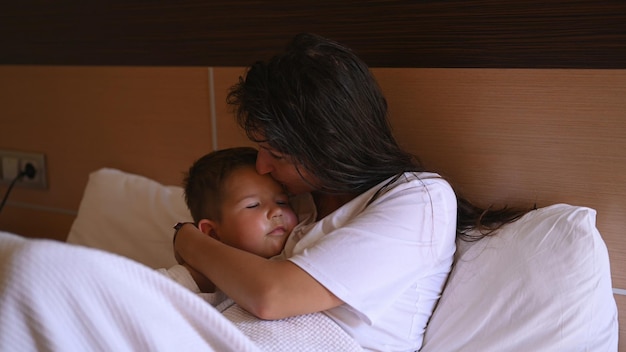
{"x": 130, "y": 215}
{"x": 542, "y": 283}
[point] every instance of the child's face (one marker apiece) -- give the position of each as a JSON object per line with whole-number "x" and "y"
{"x": 256, "y": 215}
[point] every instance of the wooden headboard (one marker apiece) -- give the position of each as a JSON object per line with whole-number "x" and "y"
{"x": 391, "y": 33}
{"x": 516, "y": 102}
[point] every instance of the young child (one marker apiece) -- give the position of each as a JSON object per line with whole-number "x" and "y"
{"x": 231, "y": 202}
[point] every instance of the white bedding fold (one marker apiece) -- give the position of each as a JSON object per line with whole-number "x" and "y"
{"x": 114, "y": 304}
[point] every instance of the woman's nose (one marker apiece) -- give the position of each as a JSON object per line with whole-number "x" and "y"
{"x": 263, "y": 163}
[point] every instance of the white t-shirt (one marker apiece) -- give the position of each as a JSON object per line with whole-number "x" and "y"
{"x": 388, "y": 261}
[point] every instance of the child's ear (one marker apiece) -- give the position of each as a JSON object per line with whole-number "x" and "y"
{"x": 208, "y": 227}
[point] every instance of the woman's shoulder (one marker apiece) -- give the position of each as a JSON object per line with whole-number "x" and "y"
{"x": 415, "y": 188}
{"x": 417, "y": 180}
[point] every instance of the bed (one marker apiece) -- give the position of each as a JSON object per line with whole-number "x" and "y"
{"x": 542, "y": 283}
{"x": 555, "y": 77}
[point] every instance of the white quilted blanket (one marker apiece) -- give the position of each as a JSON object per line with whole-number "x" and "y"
{"x": 60, "y": 297}
{"x": 311, "y": 332}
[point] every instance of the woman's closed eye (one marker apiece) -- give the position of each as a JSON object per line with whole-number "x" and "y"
{"x": 275, "y": 156}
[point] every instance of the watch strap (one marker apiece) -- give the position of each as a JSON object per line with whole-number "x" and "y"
{"x": 178, "y": 226}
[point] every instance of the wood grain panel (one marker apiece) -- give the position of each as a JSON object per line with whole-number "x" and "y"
{"x": 229, "y": 134}
{"x": 386, "y": 33}
{"x": 31, "y": 221}
{"x": 151, "y": 121}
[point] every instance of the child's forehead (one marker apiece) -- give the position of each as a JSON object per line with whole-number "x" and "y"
{"x": 246, "y": 177}
{"x": 242, "y": 171}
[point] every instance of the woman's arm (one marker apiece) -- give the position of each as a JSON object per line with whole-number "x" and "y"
{"x": 269, "y": 289}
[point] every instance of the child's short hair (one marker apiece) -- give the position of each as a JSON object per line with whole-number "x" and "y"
{"x": 204, "y": 180}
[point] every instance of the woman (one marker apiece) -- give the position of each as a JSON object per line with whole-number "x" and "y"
{"x": 381, "y": 247}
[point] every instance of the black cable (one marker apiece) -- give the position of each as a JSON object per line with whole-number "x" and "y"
{"x": 28, "y": 171}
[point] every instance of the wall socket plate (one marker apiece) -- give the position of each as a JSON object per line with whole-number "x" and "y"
{"x": 13, "y": 162}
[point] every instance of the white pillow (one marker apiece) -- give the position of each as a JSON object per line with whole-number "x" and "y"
{"x": 130, "y": 215}
{"x": 542, "y": 283}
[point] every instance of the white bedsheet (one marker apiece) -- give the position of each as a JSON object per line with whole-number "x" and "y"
{"x": 115, "y": 304}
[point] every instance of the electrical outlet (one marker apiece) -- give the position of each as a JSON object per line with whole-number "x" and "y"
{"x": 14, "y": 162}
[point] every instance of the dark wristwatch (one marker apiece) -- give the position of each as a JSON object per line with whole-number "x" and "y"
{"x": 178, "y": 227}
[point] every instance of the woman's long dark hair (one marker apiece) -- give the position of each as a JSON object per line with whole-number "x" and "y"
{"x": 319, "y": 104}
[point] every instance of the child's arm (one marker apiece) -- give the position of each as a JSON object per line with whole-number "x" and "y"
{"x": 205, "y": 285}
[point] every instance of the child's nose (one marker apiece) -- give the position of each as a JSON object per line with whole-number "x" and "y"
{"x": 276, "y": 212}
